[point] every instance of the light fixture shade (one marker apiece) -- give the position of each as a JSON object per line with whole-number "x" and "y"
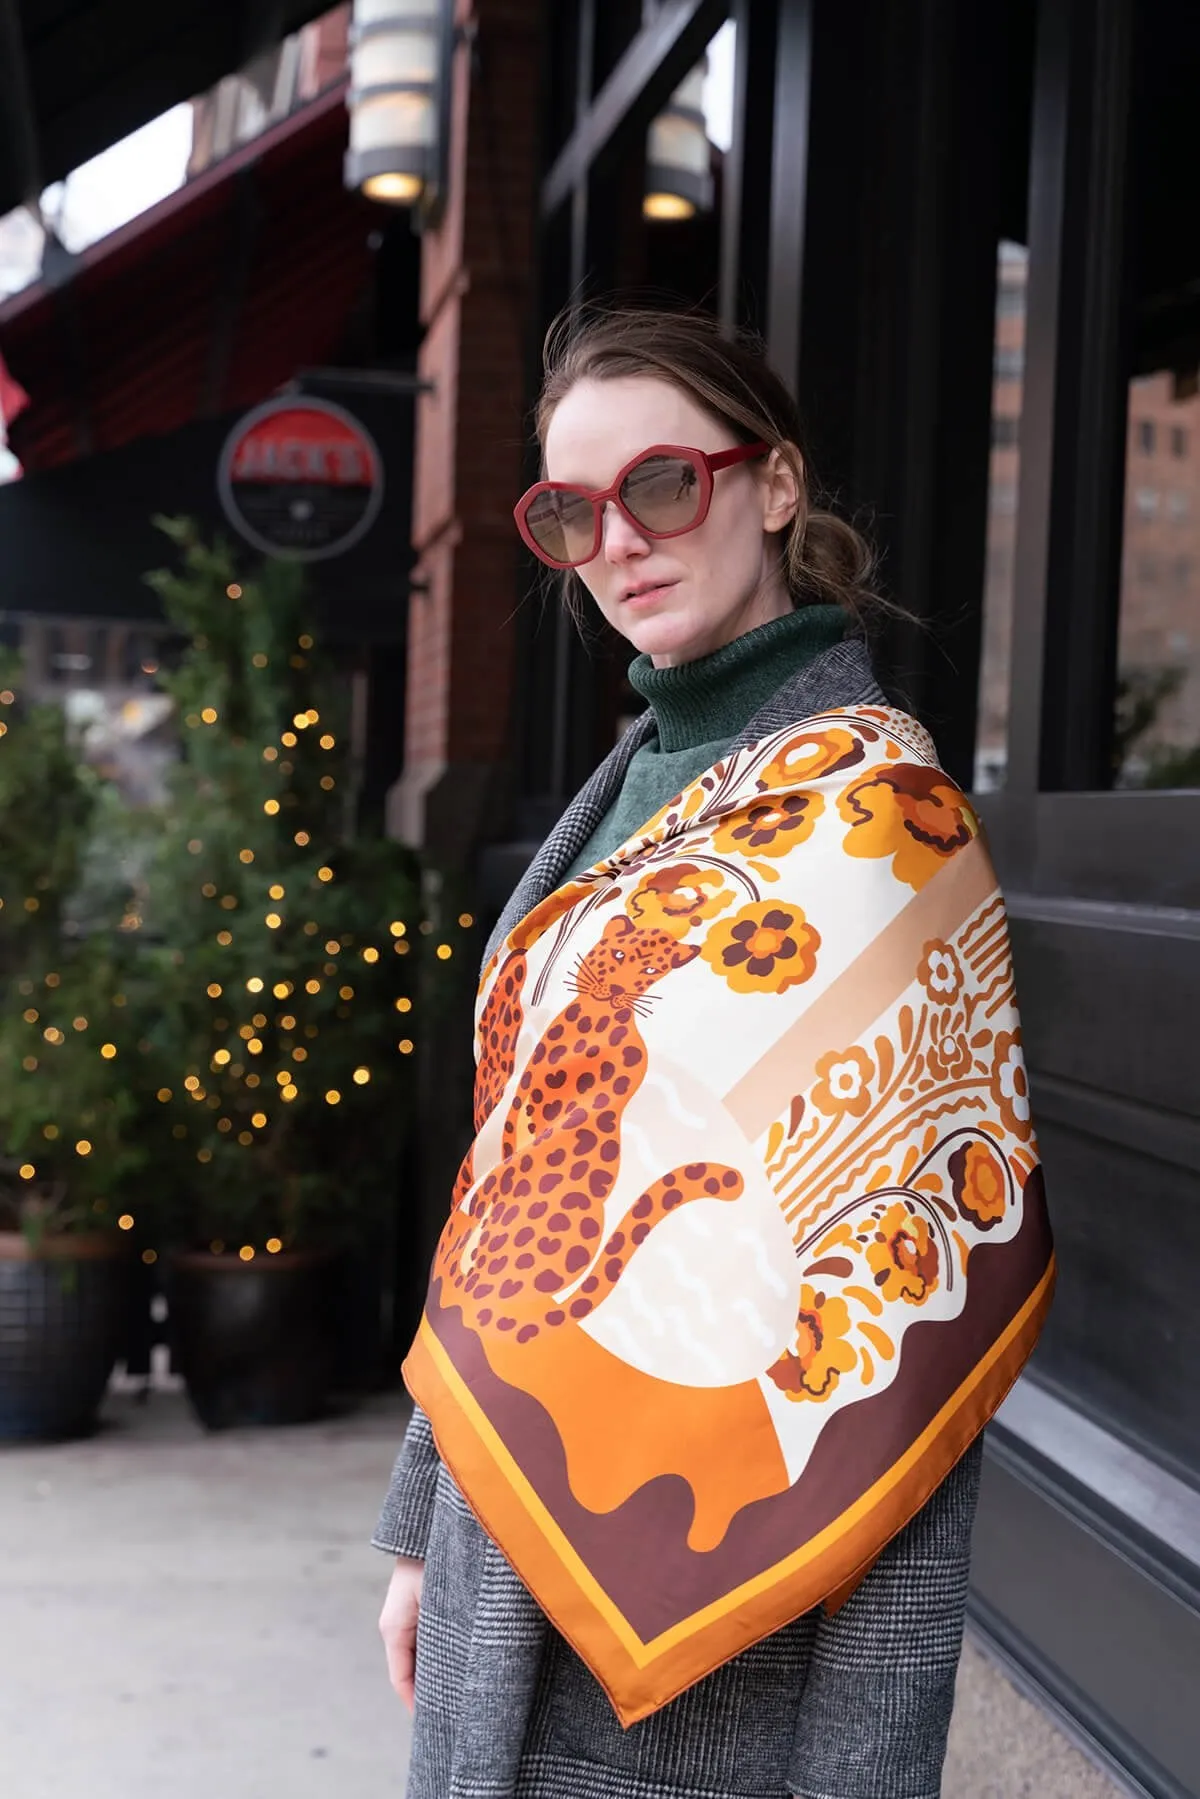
{"x": 397, "y": 47}
{"x": 678, "y": 167}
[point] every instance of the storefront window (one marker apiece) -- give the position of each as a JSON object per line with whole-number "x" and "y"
{"x": 1158, "y": 686}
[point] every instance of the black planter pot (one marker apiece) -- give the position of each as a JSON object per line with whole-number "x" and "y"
{"x": 254, "y": 1341}
{"x": 62, "y": 1316}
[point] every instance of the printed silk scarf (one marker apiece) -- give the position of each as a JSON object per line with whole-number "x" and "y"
{"x": 751, "y": 1241}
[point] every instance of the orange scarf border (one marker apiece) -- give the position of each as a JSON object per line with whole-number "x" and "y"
{"x": 639, "y": 1678}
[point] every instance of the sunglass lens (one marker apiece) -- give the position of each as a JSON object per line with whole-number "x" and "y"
{"x": 562, "y": 523}
{"x": 662, "y": 493}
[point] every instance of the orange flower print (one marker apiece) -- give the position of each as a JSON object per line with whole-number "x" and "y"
{"x": 843, "y": 1082}
{"x": 979, "y": 1183}
{"x": 903, "y": 1256}
{"x": 915, "y": 815}
{"x": 678, "y": 898}
{"x": 820, "y": 1354}
{"x": 815, "y": 753}
{"x": 770, "y": 827}
{"x": 765, "y": 948}
{"x": 949, "y": 1055}
{"x": 940, "y": 973}
{"x": 1010, "y": 1085}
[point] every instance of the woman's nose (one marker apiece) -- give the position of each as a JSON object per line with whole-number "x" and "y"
{"x": 621, "y": 536}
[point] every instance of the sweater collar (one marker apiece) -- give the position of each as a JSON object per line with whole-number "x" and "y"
{"x": 713, "y": 698}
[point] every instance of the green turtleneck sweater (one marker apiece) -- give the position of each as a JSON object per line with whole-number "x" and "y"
{"x": 699, "y": 708}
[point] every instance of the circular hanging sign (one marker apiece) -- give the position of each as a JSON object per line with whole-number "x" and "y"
{"x": 300, "y": 479}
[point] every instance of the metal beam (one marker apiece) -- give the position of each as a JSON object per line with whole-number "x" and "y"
{"x": 18, "y": 129}
{"x": 746, "y": 189}
{"x": 789, "y": 186}
{"x": 585, "y": 62}
{"x": 652, "y": 67}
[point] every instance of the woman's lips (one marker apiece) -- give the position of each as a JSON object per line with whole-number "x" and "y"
{"x": 647, "y": 596}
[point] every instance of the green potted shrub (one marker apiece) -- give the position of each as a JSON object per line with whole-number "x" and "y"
{"x": 286, "y": 945}
{"x": 69, "y": 1150}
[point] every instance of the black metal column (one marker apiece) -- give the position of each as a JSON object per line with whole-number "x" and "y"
{"x": 746, "y": 187}
{"x": 892, "y": 247}
{"x": 1073, "y": 425}
{"x": 791, "y": 133}
{"x": 939, "y": 190}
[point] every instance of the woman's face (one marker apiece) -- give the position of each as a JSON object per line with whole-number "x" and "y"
{"x": 677, "y": 598}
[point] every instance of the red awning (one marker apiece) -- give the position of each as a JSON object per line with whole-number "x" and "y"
{"x": 207, "y": 303}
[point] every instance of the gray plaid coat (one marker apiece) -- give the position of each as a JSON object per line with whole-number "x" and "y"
{"x": 856, "y": 1706}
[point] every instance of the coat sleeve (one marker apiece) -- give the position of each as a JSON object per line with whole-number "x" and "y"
{"x": 875, "y": 1710}
{"x": 403, "y": 1527}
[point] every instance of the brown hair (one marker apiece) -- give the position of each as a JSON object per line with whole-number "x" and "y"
{"x": 825, "y": 559}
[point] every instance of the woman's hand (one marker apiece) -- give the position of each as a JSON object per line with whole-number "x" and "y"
{"x": 398, "y": 1624}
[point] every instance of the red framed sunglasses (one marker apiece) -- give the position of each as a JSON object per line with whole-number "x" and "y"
{"x": 664, "y": 491}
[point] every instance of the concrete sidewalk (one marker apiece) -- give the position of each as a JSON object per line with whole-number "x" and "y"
{"x": 194, "y": 1617}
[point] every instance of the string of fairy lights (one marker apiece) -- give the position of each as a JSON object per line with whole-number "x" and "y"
{"x": 248, "y": 1044}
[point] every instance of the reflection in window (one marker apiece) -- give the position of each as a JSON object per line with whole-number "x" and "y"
{"x": 1158, "y": 688}
{"x": 1008, "y": 364}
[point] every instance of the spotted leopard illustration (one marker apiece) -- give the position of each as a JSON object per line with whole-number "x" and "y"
{"x": 499, "y": 1028}
{"x": 531, "y": 1250}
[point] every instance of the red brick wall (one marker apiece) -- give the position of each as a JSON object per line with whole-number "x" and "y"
{"x": 476, "y": 302}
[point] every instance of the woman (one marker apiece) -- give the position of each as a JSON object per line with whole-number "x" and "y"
{"x": 751, "y": 1241}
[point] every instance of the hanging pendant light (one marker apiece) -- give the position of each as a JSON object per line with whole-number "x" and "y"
{"x": 397, "y": 59}
{"x": 679, "y": 180}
